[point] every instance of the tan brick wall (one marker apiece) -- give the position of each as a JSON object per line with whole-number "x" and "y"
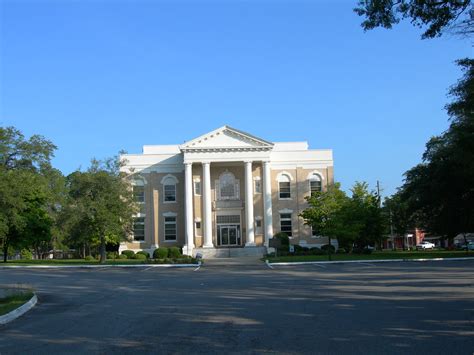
{"x": 299, "y": 189}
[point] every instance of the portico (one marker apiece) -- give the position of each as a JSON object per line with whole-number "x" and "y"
{"x": 220, "y": 150}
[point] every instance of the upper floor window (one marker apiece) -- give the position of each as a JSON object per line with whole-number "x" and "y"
{"x": 315, "y": 183}
{"x": 228, "y": 187}
{"x": 169, "y": 188}
{"x": 284, "y": 186}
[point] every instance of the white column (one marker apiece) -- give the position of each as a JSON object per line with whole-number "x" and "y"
{"x": 207, "y": 205}
{"x": 249, "y": 204}
{"x": 267, "y": 202}
{"x": 188, "y": 194}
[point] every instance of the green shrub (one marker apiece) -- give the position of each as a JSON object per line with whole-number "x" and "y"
{"x": 283, "y": 237}
{"x": 26, "y": 254}
{"x": 315, "y": 251}
{"x": 174, "y": 252}
{"x": 331, "y": 248}
{"x": 112, "y": 255}
{"x": 128, "y": 253}
{"x": 89, "y": 258}
{"x": 142, "y": 252}
{"x": 122, "y": 256}
{"x": 138, "y": 256}
{"x": 341, "y": 251}
{"x": 160, "y": 253}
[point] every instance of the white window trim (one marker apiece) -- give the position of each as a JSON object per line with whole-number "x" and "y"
{"x": 175, "y": 194}
{"x": 286, "y": 211}
{"x": 170, "y": 214}
{"x": 217, "y": 186}
{"x": 280, "y": 175}
{"x": 169, "y": 176}
{"x": 315, "y": 172}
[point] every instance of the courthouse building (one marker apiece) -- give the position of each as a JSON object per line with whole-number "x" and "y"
{"x": 226, "y": 192}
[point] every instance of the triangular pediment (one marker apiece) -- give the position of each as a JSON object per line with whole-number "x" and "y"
{"x": 227, "y": 138}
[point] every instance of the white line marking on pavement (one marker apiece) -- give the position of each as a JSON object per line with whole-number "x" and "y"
{"x": 148, "y": 268}
{"x": 369, "y": 264}
{"x": 268, "y": 264}
{"x": 320, "y": 265}
{"x": 196, "y": 269}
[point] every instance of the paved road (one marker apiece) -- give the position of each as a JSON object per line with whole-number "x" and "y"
{"x": 402, "y": 308}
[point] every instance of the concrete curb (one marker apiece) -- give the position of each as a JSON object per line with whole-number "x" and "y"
{"x": 363, "y": 261}
{"x": 97, "y": 266}
{"x": 6, "y": 318}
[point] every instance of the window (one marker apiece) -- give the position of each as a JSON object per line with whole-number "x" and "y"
{"x": 198, "y": 225}
{"x": 228, "y": 219}
{"x": 258, "y": 186}
{"x": 284, "y": 186}
{"x": 315, "y": 183}
{"x": 170, "y": 228}
{"x": 313, "y": 233}
{"x": 169, "y": 190}
{"x": 285, "y": 223}
{"x": 197, "y": 187}
{"x": 139, "y": 228}
{"x": 258, "y": 226}
{"x": 228, "y": 187}
{"x": 139, "y": 194}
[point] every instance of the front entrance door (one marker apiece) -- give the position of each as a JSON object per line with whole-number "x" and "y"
{"x": 228, "y": 236}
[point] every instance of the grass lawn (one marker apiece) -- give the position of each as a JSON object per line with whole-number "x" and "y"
{"x": 80, "y": 262}
{"x": 376, "y": 255}
{"x": 9, "y": 303}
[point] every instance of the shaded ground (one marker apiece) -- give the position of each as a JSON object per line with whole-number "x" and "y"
{"x": 220, "y": 308}
{"x": 378, "y": 255}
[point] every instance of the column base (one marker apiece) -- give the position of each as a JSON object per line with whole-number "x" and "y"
{"x": 188, "y": 249}
{"x": 250, "y": 244}
{"x": 209, "y": 246}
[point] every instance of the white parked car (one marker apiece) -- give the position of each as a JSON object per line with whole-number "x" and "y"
{"x": 425, "y": 245}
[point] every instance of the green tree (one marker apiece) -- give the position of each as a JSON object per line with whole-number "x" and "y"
{"x": 324, "y": 214}
{"x": 101, "y": 203}
{"x": 440, "y": 190}
{"x": 435, "y": 16}
{"x": 23, "y": 163}
{"x": 365, "y": 215}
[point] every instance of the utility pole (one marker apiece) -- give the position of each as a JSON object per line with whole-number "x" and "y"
{"x": 378, "y": 193}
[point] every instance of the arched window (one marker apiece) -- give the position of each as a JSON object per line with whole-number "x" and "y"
{"x": 228, "y": 187}
{"x": 169, "y": 188}
{"x": 315, "y": 184}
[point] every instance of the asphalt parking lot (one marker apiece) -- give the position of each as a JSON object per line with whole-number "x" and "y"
{"x": 391, "y": 308}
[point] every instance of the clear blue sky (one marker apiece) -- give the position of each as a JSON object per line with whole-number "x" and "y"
{"x": 96, "y": 77}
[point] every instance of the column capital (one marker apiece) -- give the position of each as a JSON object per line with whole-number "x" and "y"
{"x": 248, "y": 161}
{"x": 188, "y": 163}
